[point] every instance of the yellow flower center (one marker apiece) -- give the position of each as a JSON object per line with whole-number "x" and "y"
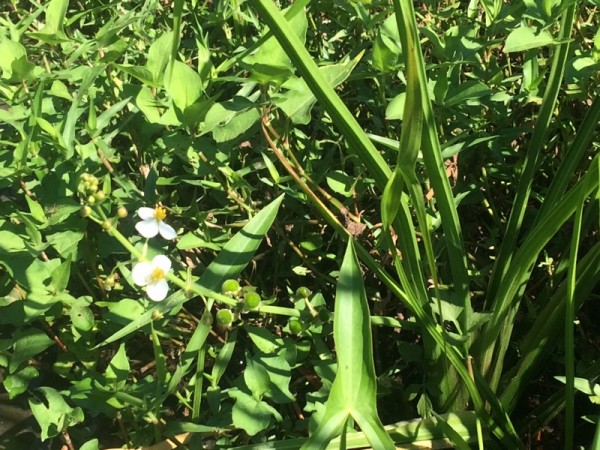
{"x": 157, "y": 274}
{"x": 160, "y": 213}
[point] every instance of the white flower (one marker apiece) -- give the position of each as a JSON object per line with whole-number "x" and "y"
{"x": 152, "y": 223}
{"x": 152, "y": 275}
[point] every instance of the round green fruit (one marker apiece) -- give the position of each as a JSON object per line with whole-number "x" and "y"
{"x": 252, "y": 300}
{"x": 224, "y": 317}
{"x": 303, "y": 292}
{"x": 230, "y": 286}
{"x": 295, "y": 326}
{"x": 122, "y": 212}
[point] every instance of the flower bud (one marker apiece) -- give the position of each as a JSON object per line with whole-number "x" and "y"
{"x": 100, "y": 196}
{"x": 85, "y": 211}
{"x": 122, "y": 212}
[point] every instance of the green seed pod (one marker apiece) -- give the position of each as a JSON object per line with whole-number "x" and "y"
{"x": 295, "y": 325}
{"x": 224, "y": 317}
{"x": 252, "y": 300}
{"x": 230, "y": 286}
{"x": 303, "y": 292}
{"x": 106, "y": 225}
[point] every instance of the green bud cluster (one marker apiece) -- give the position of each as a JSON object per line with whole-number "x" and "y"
{"x": 89, "y": 189}
{"x": 247, "y": 297}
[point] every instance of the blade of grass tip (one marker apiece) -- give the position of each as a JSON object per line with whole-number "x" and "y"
{"x": 432, "y": 157}
{"x": 570, "y": 329}
{"x": 344, "y": 120}
{"x": 508, "y": 245}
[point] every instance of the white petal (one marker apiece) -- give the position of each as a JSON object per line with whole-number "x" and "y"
{"x": 147, "y": 228}
{"x": 157, "y": 291}
{"x": 166, "y": 231}
{"x": 146, "y": 213}
{"x": 141, "y": 272}
{"x": 162, "y": 262}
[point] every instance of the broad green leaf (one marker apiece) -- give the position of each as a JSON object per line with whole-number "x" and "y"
{"x": 395, "y": 108}
{"x": 11, "y": 52}
{"x": 298, "y": 100}
{"x": 82, "y": 317}
{"x": 229, "y": 119}
{"x": 354, "y": 390}
{"x": 263, "y": 339}
{"x": 256, "y": 378}
{"x": 53, "y": 31}
{"x": 60, "y": 276}
{"x": 158, "y": 56}
{"x": 53, "y": 414}
{"x": 183, "y": 84}
{"x": 18, "y": 382}
{"x": 141, "y": 73}
{"x": 526, "y": 38}
{"x": 271, "y": 63}
{"x": 190, "y": 240}
{"x": 239, "y": 124}
{"x": 250, "y": 414}
{"x": 465, "y": 92}
{"x": 118, "y": 368}
{"x": 28, "y": 342}
{"x": 280, "y": 375}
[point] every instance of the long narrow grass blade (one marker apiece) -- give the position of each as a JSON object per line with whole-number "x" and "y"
{"x": 572, "y": 158}
{"x": 570, "y": 328}
{"x": 432, "y": 156}
{"x": 358, "y": 141}
{"x": 508, "y": 246}
{"x": 518, "y": 272}
{"x": 536, "y": 346}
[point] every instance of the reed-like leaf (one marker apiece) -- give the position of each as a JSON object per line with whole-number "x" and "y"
{"x": 496, "y": 333}
{"x": 344, "y": 120}
{"x": 536, "y": 145}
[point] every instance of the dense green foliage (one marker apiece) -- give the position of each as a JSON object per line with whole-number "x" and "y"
{"x": 354, "y": 214}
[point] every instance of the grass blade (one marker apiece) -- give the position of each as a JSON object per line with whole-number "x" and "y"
{"x": 513, "y": 228}
{"x": 358, "y": 141}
